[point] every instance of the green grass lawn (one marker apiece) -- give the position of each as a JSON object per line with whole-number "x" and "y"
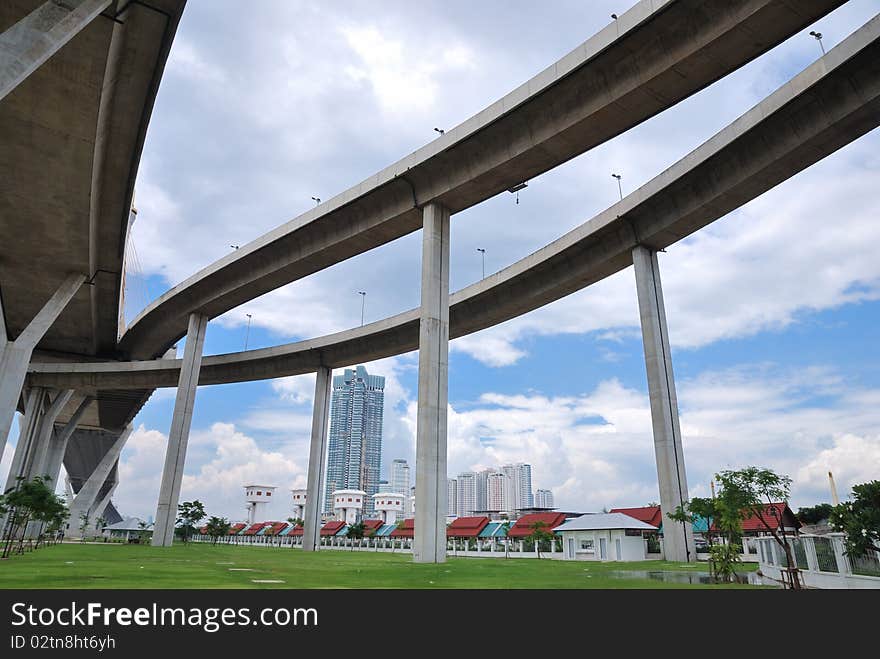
{"x": 224, "y": 566}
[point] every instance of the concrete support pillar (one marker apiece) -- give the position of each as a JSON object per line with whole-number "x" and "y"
{"x": 98, "y": 509}
{"x": 85, "y": 499}
{"x": 27, "y": 430}
{"x": 39, "y": 35}
{"x": 16, "y": 355}
{"x": 678, "y": 536}
{"x": 317, "y": 457}
{"x": 58, "y": 444}
{"x": 37, "y": 465}
{"x": 175, "y": 455}
{"x": 429, "y": 544}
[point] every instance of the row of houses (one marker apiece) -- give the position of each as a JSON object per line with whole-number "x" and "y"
{"x": 624, "y": 534}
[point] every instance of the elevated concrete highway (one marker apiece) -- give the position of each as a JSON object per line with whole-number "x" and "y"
{"x": 653, "y": 56}
{"x": 656, "y": 54}
{"x": 828, "y": 105}
{"x": 78, "y": 80}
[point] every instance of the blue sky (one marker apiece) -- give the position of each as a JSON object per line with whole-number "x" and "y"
{"x": 774, "y": 339}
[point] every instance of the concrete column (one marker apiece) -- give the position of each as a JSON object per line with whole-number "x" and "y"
{"x": 84, "y": 501}
{"x": 679, "y": 537}
{"x": 27, "y": 429}
{"x": 98, "y": 509}
{"x": 39, "y": 35}
{"x": 317, "y": 457}
{"x": 429, "y": 544}
{"x": 810, "y": 550}
{"x": 175, "y": 455}
{"x": 58, "y": 444}
{"x": 37, "y": 464}
{"x": 16, "y": 355}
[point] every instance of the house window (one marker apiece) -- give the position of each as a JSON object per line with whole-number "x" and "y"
{"x": 586, "y": 545}
{"x": 268, "y": 494}
{"x": 259, "y": 493}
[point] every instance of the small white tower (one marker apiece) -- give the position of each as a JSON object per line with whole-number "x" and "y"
{"x": 257, "y": 496}
{"x": 299, "y": 503}
{"x": 348, "y": 504}
{"x": 389, "y": 505}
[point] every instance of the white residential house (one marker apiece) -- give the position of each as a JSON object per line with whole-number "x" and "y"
{"x": 604, "y": 537}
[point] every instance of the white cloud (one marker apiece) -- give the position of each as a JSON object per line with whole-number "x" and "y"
{"x": 852, "y": 459}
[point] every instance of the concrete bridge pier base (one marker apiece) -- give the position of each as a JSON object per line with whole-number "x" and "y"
{"x": 317, "y": 458}
{"x": 429, "y": 544}
{"x": 175, "y": 455}
{"x": 678, "y": 537}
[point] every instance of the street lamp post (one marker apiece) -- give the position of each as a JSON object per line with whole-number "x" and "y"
{"x": 317, "y": 200}
{"x": 247, "y": 332}
{"x": 818, "y": 37}
{"x": 363, "y": 295}
{"x": 483, "y": 256}
{"x": 619, "y": 187}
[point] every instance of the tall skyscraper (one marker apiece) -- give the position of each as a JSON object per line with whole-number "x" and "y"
{"x": 451, "y": 497}
{"x": 466, "y": 494}
{"x": 355, "y": 449}
{"x": 482, "y": 502}
{"x": 495, "y": 491}
{"x": 517, "y": 486}
{"x": 400, "y": 477}
{"x": 544, "y": 499}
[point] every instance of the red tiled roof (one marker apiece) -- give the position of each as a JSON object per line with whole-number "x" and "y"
{"x": 525, "y": 525}
{"x": 332, "y": 528}
{"x": 405, "y": 530}
{"x": 647, "y": 514}
{"x": 371, "y": 526}
{"x": 784, "y": 514}
{"x": 235, "y": 528}
{"x": 274, "y": 527}
{"x": 466, "y": 527}
{"x": 295, "y": 530}
{"x": 253, "y": 528}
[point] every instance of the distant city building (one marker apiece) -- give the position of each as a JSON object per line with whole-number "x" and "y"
{"x": 518, "y": 486}
{"x": 355, "y": 447}
{"x": 544, "y": 499}
{"x": 495, "y": 491}
{"x": 482, "y": 502}
{"x": 466, "y": 494}
{"x": 400, "y": 481}
{"x": 451, "y": 496}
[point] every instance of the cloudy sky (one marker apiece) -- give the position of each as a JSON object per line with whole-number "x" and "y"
{"x": 774, "y": 339}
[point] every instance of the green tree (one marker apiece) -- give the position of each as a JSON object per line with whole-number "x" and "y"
{"x": 189, "y": 513}
{"x": 29, "y": 501}
{"x": 216, "y": 528}
{"x": 859, "y": 519}
{"x": 814, "y": 514}
{"x": 722, "y": 564}
{"x": 539, "y": 534}
{"x": 83, "y": 526}
{"x": 755, "y": 488}
{"x": 142, "y": 531}
{"x": 505, "y": 528}
{"x": 355, "y": 532}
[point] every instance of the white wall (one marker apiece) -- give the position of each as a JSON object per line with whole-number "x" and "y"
{"x": 632, "y": 548}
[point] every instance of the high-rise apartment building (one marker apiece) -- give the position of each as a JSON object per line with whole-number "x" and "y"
{"x": 482, "y": 502}
{"x": 466, "y": 494}
{"x": 355, "y": 448}
{"x": 544, "y": 499}
{"x": 451, "y": 497}
{"x": 517, "y": 486}
{"x": 400, "y": 482}
{"x": 495, "y": 492}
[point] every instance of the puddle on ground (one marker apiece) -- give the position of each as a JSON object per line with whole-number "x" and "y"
{"x": 687, "y": 577}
